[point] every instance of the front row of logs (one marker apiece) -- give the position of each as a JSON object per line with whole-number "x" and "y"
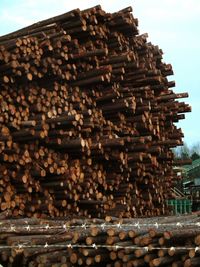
{"x": 158, "y": 241}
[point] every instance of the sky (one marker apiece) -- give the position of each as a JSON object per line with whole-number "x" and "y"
{"x": 174, "y": 25}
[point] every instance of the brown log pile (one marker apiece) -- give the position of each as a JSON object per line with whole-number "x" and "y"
{"x": 158, "y": 241}
{"x": 86, "y": 118}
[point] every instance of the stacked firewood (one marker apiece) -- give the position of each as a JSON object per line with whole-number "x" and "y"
{"x": 86, "y": 118}
{"x": 152, "y": 242}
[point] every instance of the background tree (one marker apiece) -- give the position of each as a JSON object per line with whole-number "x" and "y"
{"x": 186, "y": 152}
{"x": 182, "y": 152}
{"x": 195, "y": 156}
{"x": 195, "y": 151}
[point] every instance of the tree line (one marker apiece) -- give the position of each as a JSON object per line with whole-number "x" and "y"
{"x": 188, "y": 152}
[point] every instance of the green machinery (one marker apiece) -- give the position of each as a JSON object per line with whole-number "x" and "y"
{"x": 180, "y": 206}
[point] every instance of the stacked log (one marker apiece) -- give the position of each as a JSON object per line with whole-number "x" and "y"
{"x": 152, "y": 242}
{"x": 86, "y": 118}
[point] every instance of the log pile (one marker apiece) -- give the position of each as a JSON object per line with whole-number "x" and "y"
{"x": 86, "y": 118}
{"x": 152, "y": 242}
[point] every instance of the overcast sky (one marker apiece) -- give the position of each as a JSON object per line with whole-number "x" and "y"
{"x": 174, "y": 25}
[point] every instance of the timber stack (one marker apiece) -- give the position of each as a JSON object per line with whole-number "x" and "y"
{"x": 86, "y": 118}
{"x": 158, "y": 241}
